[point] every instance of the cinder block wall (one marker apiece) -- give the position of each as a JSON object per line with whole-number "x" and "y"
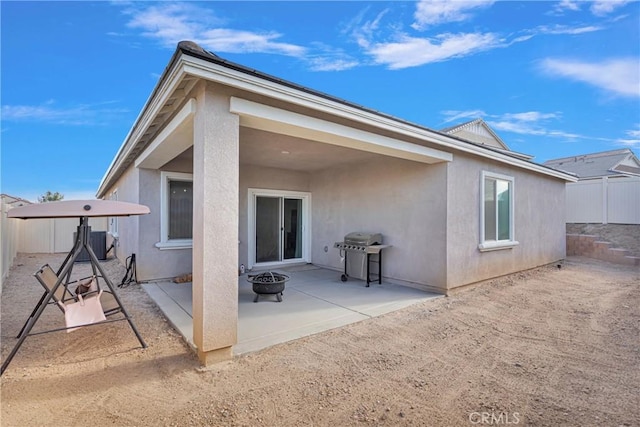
{"x": 590, "y": 247}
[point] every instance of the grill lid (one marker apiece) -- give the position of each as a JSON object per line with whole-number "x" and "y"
{"x": 363, "y": 239}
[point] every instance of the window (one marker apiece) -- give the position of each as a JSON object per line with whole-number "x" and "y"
{"x": 176, "y": 201}
{"x": 496, "y": 212}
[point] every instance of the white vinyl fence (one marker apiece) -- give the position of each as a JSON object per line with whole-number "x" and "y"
{"x": 38, "y": 236}
{"x": 604, "y": 201}
{"x": 9, "y": 238}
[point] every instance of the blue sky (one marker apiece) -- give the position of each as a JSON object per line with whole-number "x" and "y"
{"x": 552, "y": 79}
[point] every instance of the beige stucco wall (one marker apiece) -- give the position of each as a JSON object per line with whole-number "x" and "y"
{"x": 127, "y": 242}
{"x": 403, "y": 200}
{"x": 539, "y": 214}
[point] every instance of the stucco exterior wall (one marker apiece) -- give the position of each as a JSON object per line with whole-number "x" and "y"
{"x": 263, "y": 178}
{"x": 403, "y": 200}
{"x": 128, "y": 226}
{"x": 539, "y": 215}
{"x": 153, "y": 263}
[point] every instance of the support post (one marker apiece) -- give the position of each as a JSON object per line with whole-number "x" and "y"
{"x": 215, "y": 226}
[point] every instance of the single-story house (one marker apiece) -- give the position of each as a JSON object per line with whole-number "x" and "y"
{"x": 243, "y": 168}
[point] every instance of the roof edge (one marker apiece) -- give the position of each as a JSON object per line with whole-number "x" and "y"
{"x": 192, "y": 49}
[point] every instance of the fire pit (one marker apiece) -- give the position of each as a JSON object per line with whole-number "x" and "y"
{"x": 268, "y": 283}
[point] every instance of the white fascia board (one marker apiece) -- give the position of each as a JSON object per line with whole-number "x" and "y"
{"x": 264, "y": 117}
{"x": 241, "y": 80}
{"x": 159, "y": 151}
{"x": 154, "y": 104}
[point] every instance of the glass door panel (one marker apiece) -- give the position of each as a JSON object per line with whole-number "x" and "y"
{"x": 292, "y": 236}
{"x": 268, "y": 225}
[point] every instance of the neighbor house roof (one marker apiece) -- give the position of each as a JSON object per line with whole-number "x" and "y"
{"x": 621, "y": 162}
{"x": 190, "y": 62}
{"x": 476, "y": 131}
{"x": 13, "y": 201}
{"x": 479, "y": 132}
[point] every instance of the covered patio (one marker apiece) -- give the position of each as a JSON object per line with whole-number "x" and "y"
{"x": 315, "y": 300}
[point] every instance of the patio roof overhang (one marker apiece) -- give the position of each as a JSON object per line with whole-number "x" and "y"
{"x": 177, "y": 136}
{"x": 264, "y": 117}
{"x": 174, "y": 139}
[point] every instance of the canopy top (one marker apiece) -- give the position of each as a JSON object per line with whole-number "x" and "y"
{"x": 78, "y": 209}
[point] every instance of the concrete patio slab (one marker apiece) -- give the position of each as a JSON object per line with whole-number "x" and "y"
{"x": 314, "y": 300}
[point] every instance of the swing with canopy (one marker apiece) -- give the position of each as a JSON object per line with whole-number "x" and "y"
{"x": 88, "y": 304}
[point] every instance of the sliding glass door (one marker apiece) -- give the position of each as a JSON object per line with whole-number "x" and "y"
{"x": 279, "y": 227}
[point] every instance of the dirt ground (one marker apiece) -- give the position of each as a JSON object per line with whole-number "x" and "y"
{"x": 548, "y": 347}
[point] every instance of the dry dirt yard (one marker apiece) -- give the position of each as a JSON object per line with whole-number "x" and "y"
{"x": 546, "y": 347}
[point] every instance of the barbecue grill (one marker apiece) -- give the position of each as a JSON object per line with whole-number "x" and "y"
{"x": 359, "y": 251}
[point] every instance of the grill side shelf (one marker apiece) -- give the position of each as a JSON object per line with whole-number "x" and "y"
{"x": 372, "y": 249}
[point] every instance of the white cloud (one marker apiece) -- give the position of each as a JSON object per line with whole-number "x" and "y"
{"x": 516, "y": 127}
{"x": 531, "y": 128}
{"x": 617, "y": 76}
{"x": 458, "y": 116}
{"x": 433, "y": 12}
{"x": 170, "y": 23}
{"x": 530, "y": 116}
{"x": 569, "y": 4}
{"x": 174, "y": 22}
{"x": 363, "y": 33}
{"x": 530, "y": 123}
{"x": 632, "y": 140}
{"x": 563, "y": 29}
{"x": 238, "y": 41}
{"x": 411, "y": 51}
{"x": 561, "y": 7}
{"x": 49, "y": 112}
{"x": 597, "y": 7}
{"x": 536, "y": 123}
{"x": 604, "y": 7}
{"x": 331, "y": 62}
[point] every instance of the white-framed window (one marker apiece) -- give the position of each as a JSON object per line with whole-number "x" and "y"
{"x": 497, "y": 197}
{"x": 176, "y": 203}
{"x": 113, "y": 220}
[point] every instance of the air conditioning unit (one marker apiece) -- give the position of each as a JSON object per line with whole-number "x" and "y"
{"x": 98, "y": 242}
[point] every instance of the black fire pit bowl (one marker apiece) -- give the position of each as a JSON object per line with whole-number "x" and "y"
{"x": 268, "y": 283}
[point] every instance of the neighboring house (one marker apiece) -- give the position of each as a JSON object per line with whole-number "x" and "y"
{"x": 13, "y": 202}
{"x": 610, "y": 164}
{"x": 240, "y": 167}
{"x": 608, "y": 190}
{"x": 479, "y": 132}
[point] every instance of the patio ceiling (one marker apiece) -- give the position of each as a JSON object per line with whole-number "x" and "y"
{"x": 266, "y": 149}
{"x": 272, "y": 150}
{"x": 282, "y": 139}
